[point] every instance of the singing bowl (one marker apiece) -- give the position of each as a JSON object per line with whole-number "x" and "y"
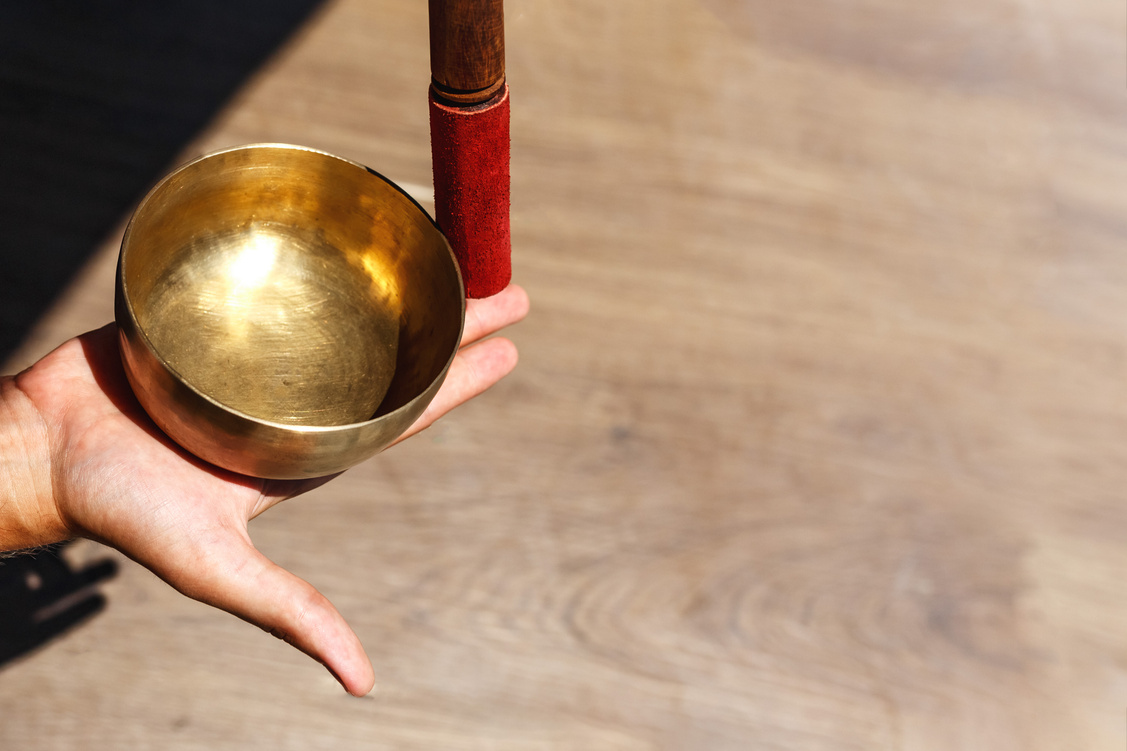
{"x": 285, "y": 313}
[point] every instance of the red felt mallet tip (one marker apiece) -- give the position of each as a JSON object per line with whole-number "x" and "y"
{"x": 470, "y": 157}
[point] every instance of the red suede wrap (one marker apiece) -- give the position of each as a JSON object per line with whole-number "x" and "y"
{"x": 470, "y": 156}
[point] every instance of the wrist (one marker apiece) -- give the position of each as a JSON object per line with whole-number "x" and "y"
{"x": 29, "y": 516}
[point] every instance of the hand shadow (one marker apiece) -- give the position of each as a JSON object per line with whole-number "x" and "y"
{"x": 41, "y": 597}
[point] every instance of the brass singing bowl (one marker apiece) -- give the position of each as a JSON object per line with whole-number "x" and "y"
{"x": 285, "y": 313}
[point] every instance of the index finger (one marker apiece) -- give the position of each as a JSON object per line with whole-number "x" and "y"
{"x": 491, "y": 314}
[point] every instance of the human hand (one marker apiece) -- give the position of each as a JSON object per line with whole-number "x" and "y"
{"x": 99, "y": 468}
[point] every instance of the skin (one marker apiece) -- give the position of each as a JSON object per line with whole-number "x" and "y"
{"x": 79, "y": 458}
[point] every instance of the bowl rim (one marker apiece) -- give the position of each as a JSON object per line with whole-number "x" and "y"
{"x": 288, "y": 427}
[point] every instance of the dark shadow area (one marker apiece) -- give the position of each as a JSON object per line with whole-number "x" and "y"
{"x": 96, "y": 101}
{"x": 41, "y": 597}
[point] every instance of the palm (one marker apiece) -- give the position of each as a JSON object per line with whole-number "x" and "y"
{"x": 117, "y": 479}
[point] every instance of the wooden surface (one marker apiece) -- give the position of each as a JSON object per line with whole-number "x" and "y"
{"x": 819, "y": 436}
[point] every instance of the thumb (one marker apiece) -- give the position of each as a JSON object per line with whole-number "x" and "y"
{"x": 231, "y": 574}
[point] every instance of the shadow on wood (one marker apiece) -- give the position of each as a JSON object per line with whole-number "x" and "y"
{"x": 41, "y": 597}
{"x": 96, "y": 100}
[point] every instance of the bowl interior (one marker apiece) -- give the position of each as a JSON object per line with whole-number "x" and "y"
{"x": 292, "y": 286}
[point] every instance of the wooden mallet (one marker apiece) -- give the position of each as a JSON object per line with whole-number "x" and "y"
{"x": 469, "y": 131}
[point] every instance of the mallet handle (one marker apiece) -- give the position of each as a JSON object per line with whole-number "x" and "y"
{"x": 467, "y": 49}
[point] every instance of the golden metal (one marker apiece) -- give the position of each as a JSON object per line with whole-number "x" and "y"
{"x": 283, "y": 312}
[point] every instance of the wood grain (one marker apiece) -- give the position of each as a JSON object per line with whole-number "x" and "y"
{"x": 467, "y": 48}
{"x": 818, "y": 440}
